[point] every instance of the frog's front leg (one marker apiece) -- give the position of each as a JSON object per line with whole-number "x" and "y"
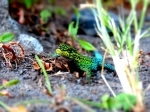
{"x": 88, "y": 75}
{"x": 54, "y": 55}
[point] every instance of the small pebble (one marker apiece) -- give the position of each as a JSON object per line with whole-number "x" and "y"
{"x": 30, "y": 43}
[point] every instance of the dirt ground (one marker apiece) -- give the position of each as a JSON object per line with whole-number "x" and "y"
{"x": 31, "y": 84}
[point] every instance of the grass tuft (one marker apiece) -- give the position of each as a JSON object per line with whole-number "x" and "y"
{"x": 125, "y": 52}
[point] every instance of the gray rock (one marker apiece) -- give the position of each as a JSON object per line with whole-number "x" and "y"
{"x": 30, "y": 43}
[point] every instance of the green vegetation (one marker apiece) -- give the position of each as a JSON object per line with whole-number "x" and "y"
{"x": 48, "y": 84}
{"x": 6, "y": 37}
{"x": 128, "y": 70}
{"x": 121, "y": 101}
{"x": 125, "y": 43}
{"x": 45, "y": 14}
{"x": 9, "y": 84}
{"x": 73, "y": 30}
{"x": 27, "y": 3}
{"x": 5, "y": 93}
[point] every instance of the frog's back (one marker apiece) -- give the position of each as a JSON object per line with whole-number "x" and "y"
{"x": 88, "y": 63}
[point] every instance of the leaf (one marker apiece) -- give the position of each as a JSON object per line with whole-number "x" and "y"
{"x": 86, "y": 45}
{"x": 60, "y": 11}
{"x": 45, "y": 14}
{"x": 127, "y": 100}
{"x": 7, "y": 37}
{"x": 51, "y": 1}
{"x": 11, "y": 83}
{"x": 73, "y": 28}
{"x": 19, "y": 108}
{"x": 6, "y": 93}
{"x": 35, "y": 65}
{"x": 48, "y": 84}
{"x": 76, "y": 10}
{"x": 28, "y": 3}
{"x": 109, "y": 103}
{"x": 123, "y": 100}
{"x": 104, "y": 103}
{"x": 105, "y": 97}
{"x": 72, "y": 31}
{"x": 8, "y": 83}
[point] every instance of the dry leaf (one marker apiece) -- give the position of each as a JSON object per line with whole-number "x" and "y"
{"x": 48, "y": 66}
{"x": 17, "y": 109}
{"x": 6, "y": 93}
{"x": 36, "y": 66}
{"x": 4, "y": 81}
{"x": 48, "y": 93}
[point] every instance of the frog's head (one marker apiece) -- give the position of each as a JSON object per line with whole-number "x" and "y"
{"x": 65, "y": 50}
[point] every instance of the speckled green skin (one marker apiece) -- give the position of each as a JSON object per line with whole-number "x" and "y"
{"x": 85, "y": 63}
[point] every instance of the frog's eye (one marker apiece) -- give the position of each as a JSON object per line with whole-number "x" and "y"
{"x": 58, "y": 51}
